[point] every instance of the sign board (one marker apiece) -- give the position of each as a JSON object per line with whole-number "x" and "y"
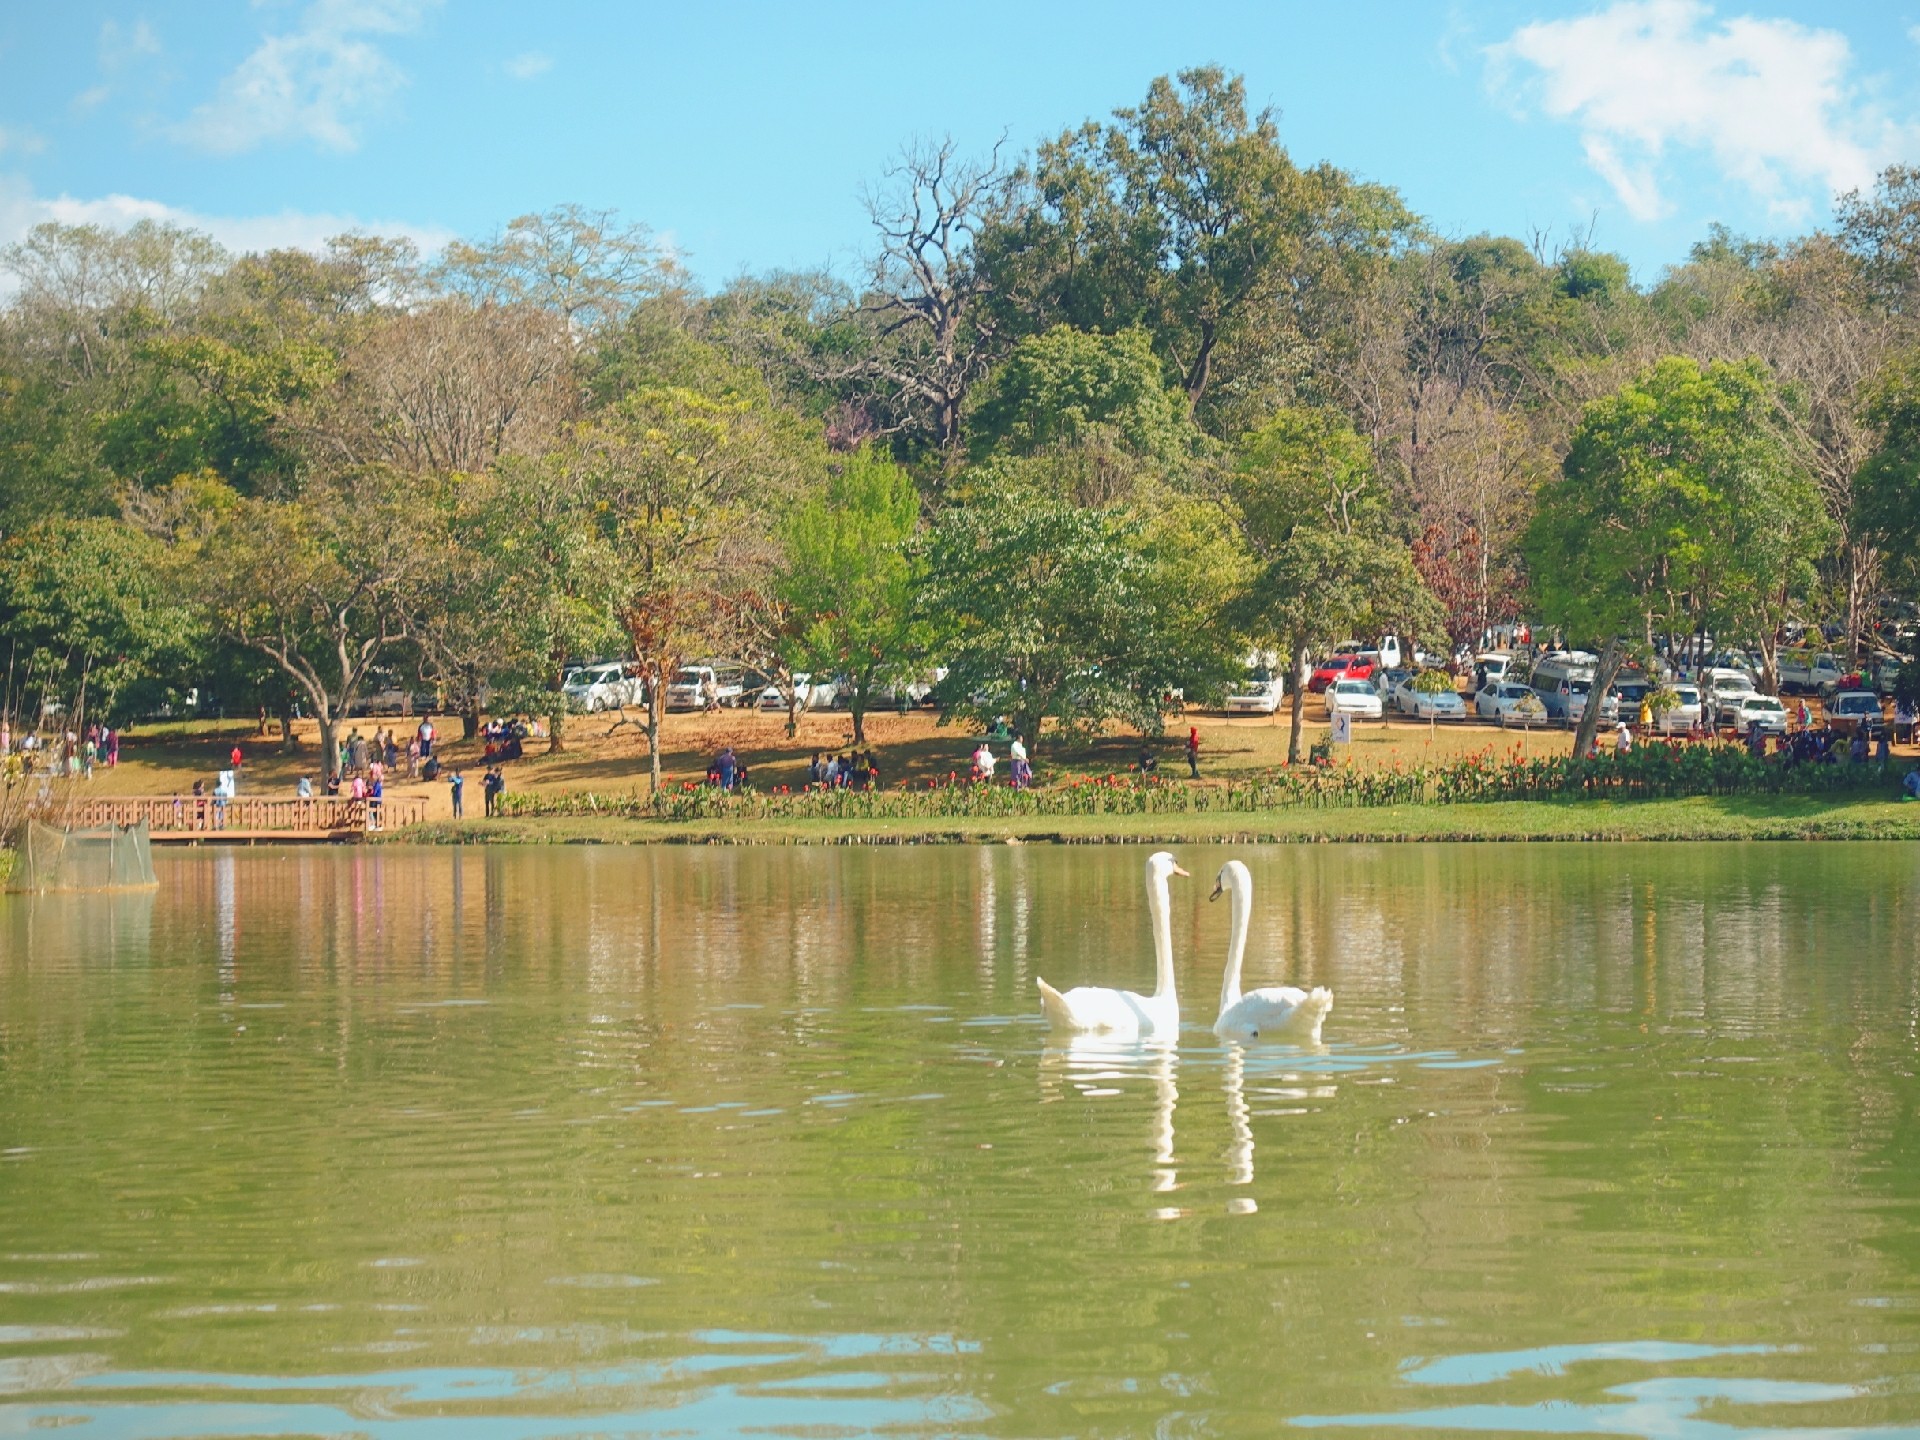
{"x": 1342, "y": 728}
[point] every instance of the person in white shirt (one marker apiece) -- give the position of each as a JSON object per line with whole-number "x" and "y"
{"x": 983, "y": 762}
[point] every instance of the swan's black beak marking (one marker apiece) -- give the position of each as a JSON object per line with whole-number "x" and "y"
{"x": 1217, "y": 891}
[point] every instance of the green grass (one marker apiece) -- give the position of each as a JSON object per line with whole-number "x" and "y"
{"x": 1696, "y": 818}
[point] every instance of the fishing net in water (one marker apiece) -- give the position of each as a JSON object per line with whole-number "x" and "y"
{"x": 115, "y": 857}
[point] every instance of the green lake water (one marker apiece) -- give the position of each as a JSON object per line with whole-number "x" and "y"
{"x": 515, "y": 1144}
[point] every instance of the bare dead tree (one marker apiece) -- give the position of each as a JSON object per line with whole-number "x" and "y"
{"x": 934, "y": 336}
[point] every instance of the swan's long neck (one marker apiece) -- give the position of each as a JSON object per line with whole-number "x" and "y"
{"x": 1240, "y": 896}
{"x": 1159, "y": 905}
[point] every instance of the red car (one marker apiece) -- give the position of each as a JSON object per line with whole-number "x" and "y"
{"x": 1339, "y": 667}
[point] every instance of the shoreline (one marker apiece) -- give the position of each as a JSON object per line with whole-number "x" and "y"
{"x": 1727, "y": 818}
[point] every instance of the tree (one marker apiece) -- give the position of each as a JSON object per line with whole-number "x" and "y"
{"x": 579, "y": 264}
{"x": 1188, "y": 217}
{"x": 447, "y": 386}
{"x": 318, "y": 585}
{"x": 1887, "y": 498}
{"x": 87, "y": 615}
{"x": 848, "y": 580}
{"x": 1309, "y": 508}
{"x": 931, "y": 336}
{"x": 1043, "y": 608}
{"x": 691, "y": 489}
{"x": 1679, "y": 503}
{"x": 1068, "y": 387}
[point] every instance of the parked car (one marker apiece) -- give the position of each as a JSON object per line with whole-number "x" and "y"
{"x": 1355, "y": 698}
{"x": 689, "y": 689}
{"x": 1338, "y": 667}
{"x": 1803, "y": 673}
{"x": 1429, "y": 705}
{"x": 1385, "y": 682}
{"x": 1852, "y": 710}
{"x": 811, "y": 696}
{"x": 1510, "y": 703}
{"x": 1683, "y": 715}
{"x": 1887, "y": 676}
{"x": 1257, "y": 697}
{"x": 606, "y": 686}
{"x": 1759, "y": 712}
{"x": 1724, "y": 689}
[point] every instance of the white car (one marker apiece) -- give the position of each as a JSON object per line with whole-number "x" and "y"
{"x": 1355, "y": 698}
{"x": 810, "y": 695}
{"x": 1256, "y": 697}
{"x": 1510, "y": 703}
{"x": 694, "y": 685}
{"x": 1759, "y": 712}
{"x": 1683, "y": 715}
{"x": 1429, "y": 705}
{"x": 1386, "y": 682}
{"x": 601, "y": 687}
{"x": 1724, "y": 694}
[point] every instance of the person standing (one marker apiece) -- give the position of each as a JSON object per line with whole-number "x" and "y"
{"x": 727, "y": 765}
{"x": 456, "y": 783}
{"x": 375, "y": 792}
{"x": 425, "y": 735}
{"x": 1193, "y": 751}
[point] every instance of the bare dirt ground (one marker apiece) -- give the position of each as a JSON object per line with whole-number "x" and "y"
{"x": 600, "y": 754}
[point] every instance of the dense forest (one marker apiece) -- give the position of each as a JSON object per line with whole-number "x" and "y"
{"x": 1090, "y": 427}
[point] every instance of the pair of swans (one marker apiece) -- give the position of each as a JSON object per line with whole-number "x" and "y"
{"x": 1276, "y": 1011}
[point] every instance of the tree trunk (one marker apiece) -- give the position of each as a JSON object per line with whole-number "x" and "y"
{"x": 1302, "y": 672}
{"x": 655, "y": 698}
{"x": 857, "y": 703}
{"x": 1609, "y": 666}
{"x": 469, "y": 717}
{"x": 329, "y": 742}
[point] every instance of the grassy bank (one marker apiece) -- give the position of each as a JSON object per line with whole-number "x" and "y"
{"x": 1773, "y": 817}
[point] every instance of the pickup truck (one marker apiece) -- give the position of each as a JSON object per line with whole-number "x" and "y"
{"x": 695, "y": 686}
{"x": 1804, "y": 673}
{"x": 1852, "y": 710}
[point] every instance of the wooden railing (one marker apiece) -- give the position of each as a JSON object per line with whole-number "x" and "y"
{"x": 252, "y": 815}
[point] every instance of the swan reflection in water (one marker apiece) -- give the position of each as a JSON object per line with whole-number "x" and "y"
{"x": 1097, "y": 1066}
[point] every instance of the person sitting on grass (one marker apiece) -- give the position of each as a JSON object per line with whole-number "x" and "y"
{"x": 1911, "y": 785}
{"x": 983, "y": 763}
{"x": 1148, "y": 762}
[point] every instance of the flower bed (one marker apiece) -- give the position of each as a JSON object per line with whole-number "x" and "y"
{"x": 1657, "y": 770}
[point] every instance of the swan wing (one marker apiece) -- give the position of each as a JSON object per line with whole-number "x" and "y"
{"x": 1277, "y": 1012}
{"x": 1096, "y": 1008}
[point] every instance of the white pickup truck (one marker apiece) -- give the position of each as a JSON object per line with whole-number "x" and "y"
{"x": 695, "y": 687}
{"x": 1804, "y": 673}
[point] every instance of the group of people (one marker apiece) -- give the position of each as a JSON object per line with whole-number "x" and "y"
{"x": 727, "y": 770}
{"x": 504, "y": 740}
{"x": 1019, "y": 767}
{"x": 858, "y": 771}
{"x": 71, "y": 753}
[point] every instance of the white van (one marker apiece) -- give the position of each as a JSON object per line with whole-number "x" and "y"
{"x": 693, "y": 686}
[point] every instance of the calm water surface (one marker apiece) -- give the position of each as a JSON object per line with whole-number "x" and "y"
{"x": 565, "y": 1142}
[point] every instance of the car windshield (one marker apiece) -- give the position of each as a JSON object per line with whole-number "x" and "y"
{"x": 1763, "y": 702}
{"x": 1855, "y": 704}
{"x": 686, "y": 677}
{"x": 1688, "y": 695}
{"x": 1579, "y": 687}
{"x": 1338, "y": 662}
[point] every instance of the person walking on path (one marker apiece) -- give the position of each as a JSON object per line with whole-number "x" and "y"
{"x": 1193, "y": 751}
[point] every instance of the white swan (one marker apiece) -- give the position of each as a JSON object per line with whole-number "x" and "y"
{"x": 1121, "y": 1013}
{"x": 1278, "y": 1012}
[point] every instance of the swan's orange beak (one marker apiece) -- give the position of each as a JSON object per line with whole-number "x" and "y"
{"x": 1178, "y": 871}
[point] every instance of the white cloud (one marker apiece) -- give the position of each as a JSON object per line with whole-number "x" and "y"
{"x": 125, "y": 52}
{"x": 17, "y": 140}
{"x": 529, "y": 65}
{"x": 1770, "y": 102}
{"x": 317, "y": 82}
{"x": 21, "y": 210}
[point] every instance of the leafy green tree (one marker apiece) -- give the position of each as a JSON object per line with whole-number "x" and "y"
{"x": 691, "y": 489}
{"x": 1070, "y": 387}
{"x": 1045, "y": 609}
{"x": 1325, "y": 565}
{"x": 848, "y": 580}
{"x": 1887, "y": 495}
{"x": 318, "y": 585}
{"x": 1188, "y": 217}
{"x": 1679, "y": 503}
{"x": 88, "y": 617}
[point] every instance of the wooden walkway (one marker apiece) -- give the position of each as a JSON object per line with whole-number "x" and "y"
{"x": 247, "y": 820}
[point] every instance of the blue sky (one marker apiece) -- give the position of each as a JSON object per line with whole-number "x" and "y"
{"x": 744, "y": 133}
